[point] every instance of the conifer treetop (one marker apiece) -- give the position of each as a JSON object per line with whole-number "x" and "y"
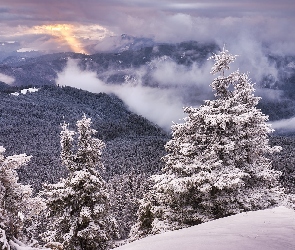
{"x": 222, "y": 61}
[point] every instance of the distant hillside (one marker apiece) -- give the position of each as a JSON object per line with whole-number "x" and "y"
{"x": 31, "y": 124}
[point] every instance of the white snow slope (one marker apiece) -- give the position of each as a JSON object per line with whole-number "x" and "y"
{"x": 260, "y": 230}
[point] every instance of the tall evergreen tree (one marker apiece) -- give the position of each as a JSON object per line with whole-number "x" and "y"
{"x": 16, "y": 201}
{"x": 79, "y": 205}
{"x": 217, "y": 162}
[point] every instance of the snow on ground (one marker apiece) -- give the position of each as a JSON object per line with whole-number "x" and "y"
{"x": 31, "y": 90}
{"x": 18, "y": 245}
{"x": 25, "y": 91}
{"x": 270, "y": 229}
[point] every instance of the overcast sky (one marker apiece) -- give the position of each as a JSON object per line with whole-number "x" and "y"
{"x": 72, "y": 24}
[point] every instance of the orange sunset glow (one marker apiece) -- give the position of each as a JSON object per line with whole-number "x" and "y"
{"x": 64, "y": 32}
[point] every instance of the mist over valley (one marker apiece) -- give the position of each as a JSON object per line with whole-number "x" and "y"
{"x": 157, "y": 80}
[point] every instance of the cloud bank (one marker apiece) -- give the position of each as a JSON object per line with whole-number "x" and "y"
{"x": 161, "y": 106}
{"x": 6, "y": 79}
{"x": 284, "y": 125}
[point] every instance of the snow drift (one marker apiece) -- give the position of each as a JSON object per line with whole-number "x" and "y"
{"x": 268, "y": 229}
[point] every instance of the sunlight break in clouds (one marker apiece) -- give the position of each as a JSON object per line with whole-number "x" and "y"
{"x": 63, "y": 32}
{"x": 75, "y": 36}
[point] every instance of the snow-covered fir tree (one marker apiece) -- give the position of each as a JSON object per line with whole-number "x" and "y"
{"x": 217, "y": 162}
{"x": 16, "y": 201}
{"x": 79, "y": 205}
{"x": 125, "y": 191}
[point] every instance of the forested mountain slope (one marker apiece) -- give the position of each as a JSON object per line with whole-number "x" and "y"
{"x": 30, "y": 124}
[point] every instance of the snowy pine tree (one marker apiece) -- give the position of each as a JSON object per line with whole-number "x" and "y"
{"x": 217, "y": 162}
{"x": 16, "y": 202}
{"x": 125, "y": 191}
{"x": 79, "y": 205}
